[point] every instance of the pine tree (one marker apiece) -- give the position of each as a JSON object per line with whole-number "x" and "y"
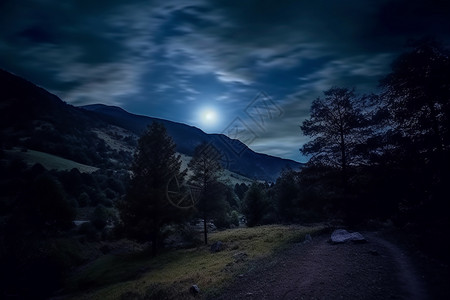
{"x": 206, "y": 170}
{"x": 146, "y": 209}
{"x": 255, "y": 204}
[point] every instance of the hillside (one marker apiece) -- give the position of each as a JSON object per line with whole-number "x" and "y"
{"x": 48, "y": 161}
{"x": 104, "y": 136}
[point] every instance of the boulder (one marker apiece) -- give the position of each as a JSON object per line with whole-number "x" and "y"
{"x": 342, "y": 236}
{"x": 217, "y": 247}
{"x": 240, "y": 257}
{"x": 194, "y": 290}
{"x": 308, "y": 239}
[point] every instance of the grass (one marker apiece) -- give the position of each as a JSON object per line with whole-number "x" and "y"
{"x": 49, "y": 161}
{"x": 170, "y": 274}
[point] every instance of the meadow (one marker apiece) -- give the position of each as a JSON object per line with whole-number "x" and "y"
{"x": 171, "y": 274}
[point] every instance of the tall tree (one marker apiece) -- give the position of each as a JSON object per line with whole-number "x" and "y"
{"x": 416, "y": 99}
{"x": 255, "y": 204}
{"x": 287, "y": 195}
{"x": 416, "y": 95}
{"x": 337, "y": 126}
{"x": 145, "y": 208}
{"x": 206, "y": 170}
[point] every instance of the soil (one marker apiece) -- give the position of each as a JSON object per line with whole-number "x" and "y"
{"x": 377, "y": 269}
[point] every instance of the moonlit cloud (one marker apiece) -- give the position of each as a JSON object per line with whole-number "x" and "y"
{"x": 169, "y": 58}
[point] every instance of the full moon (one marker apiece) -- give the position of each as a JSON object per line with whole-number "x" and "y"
{"x": 209, "y": 116}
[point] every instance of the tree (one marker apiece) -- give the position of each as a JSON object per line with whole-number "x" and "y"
{"x": 99, "y": 217}
{"x": 206, "y": 170}
{"x": 145, "y": 209}
{"x": 240, "y": 190}
{"x": 338, "y": 126}
{"x": 45, "y": 210}
{"x": 416, "y": 95}
{"x": 416, "y": 101}
{"x": 287, "y": 195}
{"x": 255, "y": 205}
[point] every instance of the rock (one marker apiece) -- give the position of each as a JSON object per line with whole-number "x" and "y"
{"x": 194, "y": 290}
{"x": 217, "y": 247}
{"x": 308, "y": 239}
{"x": 342, "y": 236}
{"x": 240, "y": 256}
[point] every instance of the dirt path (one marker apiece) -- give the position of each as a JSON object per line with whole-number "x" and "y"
{"x": 318, "y": 270}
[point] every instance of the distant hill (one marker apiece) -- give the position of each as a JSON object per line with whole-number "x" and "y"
{"x": 33, "y": 118}
{"x": 105, "y": 136}
{"x": 236, "y": 156}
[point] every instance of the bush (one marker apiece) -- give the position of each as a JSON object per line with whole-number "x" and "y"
{"x": 190, "y": 237}
{"x": 99, "y": 217}
{"x": 234, "y": 218}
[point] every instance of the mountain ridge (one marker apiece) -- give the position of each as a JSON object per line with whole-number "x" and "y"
{"x": 33, "y": 118}
{"x": 236, "y": 156}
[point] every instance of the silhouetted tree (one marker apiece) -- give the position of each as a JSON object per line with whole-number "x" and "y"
{"x": 206, "y": 169}
{"x": 287, "y": 195}
{"x": 416, "y": 94}
{"x": 145, "y": 209}
{"x": 255, "y": 205}
{"x": 338, "y": 126}
{"x": 415, "y": 100}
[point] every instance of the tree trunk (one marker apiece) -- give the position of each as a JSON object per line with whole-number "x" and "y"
{"x": 343, "y": 161}
{"x": 205, "y": 230}
{"x": 154, "y": 245}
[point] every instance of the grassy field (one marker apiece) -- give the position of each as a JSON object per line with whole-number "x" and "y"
{"x": 49, "y": 161}
{"x": 169, "y": 275}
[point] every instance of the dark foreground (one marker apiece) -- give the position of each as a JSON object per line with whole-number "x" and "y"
{"x": 378, "y": 269}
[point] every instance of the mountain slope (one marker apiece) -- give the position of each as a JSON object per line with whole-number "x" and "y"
{"x": 236, "y": 156}
{"x": 33, "y": 118}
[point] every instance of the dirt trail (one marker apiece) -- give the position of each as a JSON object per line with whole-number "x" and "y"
{"x": 318, "y": 270}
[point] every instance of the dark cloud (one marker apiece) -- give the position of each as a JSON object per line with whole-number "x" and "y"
{"x": 170, "y": 58}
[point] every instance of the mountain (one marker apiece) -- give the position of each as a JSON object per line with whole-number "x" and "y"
{"x": 104, "y": 136}
{"x": 236, "y": 156}
{"x": 33, "y": 118}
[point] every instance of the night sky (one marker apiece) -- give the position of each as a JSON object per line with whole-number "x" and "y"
{"x": 211, "y": 64}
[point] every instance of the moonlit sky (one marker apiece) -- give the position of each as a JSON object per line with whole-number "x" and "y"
{"x": 203, "y": 63}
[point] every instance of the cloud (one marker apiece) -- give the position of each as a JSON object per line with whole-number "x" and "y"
{"x": 169, "y": 56}
{"x": 96, "y": 52}
{"x": 104, "y": 83}
{"x": 282, "y": 136}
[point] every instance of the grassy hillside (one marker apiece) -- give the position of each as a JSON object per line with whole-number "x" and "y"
{"x": 49, "y": 161}
{"x": 227, "y": 176}
{"x": 170, "y": 275}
